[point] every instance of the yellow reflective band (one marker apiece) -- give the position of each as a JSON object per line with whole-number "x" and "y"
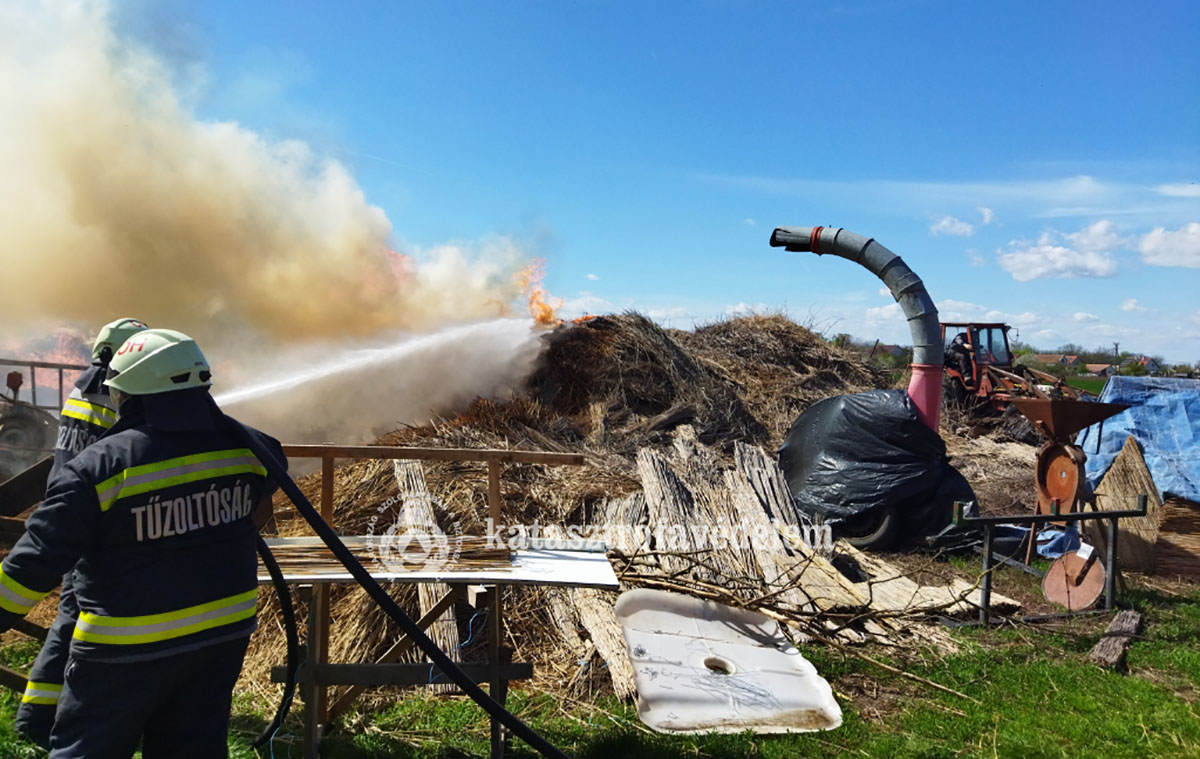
{"x": 91, "y": 413}
{"x": 15, "y": 597}
{"x": 176, "y": 471}
{"x": 153, "y": 628}
{"x": 41, "y": 693}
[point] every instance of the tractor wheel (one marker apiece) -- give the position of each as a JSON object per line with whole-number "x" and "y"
{"x": 874, "y": 531}
{"x": 16, "y": 432}
{"x": 1014, "y": 425}
{"x": 10, "y": 465}
{"x": 954, "y": 395}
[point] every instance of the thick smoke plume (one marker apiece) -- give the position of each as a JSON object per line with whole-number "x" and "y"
{"x": 119, "y": 201}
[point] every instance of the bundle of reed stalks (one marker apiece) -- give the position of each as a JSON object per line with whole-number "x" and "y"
{"x": 410, "y": 551}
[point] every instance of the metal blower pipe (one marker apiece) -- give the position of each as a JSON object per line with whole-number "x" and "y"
{"x": 925, "y": 387}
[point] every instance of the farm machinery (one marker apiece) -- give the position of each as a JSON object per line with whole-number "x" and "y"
{"x": 980, "y": 375}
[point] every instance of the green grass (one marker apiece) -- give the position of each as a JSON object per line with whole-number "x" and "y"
{"x": 1092, "y": 385}
{"x": 1036, "y": 698}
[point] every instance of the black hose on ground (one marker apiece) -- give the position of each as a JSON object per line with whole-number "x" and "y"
{"x": 293, "y": 643}
{"x": 385, "y": 602}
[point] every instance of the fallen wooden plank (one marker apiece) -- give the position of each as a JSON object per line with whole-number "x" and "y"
{"x": 1111, "y": 649}
{"x": 12, "y": 679}
{"x": 23, "y": 490}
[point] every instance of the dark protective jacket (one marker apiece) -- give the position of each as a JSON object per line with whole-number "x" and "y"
{"x": 87, "y": 414}
{"x": 156, "y": 519}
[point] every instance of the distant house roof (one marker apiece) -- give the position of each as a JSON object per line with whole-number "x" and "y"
{"x": 1142, "y": 360}
{"x": 1057, "y": 358}
{"x": 1098, "y": 367}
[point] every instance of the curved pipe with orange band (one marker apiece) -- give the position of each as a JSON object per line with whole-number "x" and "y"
{"x": 925, "y": 387}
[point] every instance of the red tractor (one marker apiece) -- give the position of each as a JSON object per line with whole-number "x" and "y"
{"x": 980, "y": 374}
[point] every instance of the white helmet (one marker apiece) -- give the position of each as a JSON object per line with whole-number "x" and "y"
{"x": 158, "y": 361}
{"x": 113, "y": 334}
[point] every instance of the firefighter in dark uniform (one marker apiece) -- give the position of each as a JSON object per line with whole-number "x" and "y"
{"x": 87, "y": 414}
{"x": 158, "y": 519}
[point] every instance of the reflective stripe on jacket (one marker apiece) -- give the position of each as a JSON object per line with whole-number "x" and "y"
{"x": 87, "y": 414}
{"x": 151, "y": 628}
{"x": 158, "y": 524}
{"x": 45, "y": 694}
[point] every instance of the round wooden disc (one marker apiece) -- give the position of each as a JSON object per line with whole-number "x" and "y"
{"x": 1059, "y": 475}
{"x": 1059, "y": 585}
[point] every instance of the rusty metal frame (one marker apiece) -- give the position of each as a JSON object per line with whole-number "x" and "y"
{"x": 33, "y": 366}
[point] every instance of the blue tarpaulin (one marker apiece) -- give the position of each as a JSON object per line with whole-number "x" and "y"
{"x": 1164, "y": 417}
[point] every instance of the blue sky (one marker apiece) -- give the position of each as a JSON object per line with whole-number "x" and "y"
{"x": 1037, "y": 163}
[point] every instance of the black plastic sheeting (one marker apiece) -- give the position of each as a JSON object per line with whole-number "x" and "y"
{"x": 848, "y": 455}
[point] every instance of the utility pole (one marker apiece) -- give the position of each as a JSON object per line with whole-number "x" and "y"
{"x": 1117, "y": 358}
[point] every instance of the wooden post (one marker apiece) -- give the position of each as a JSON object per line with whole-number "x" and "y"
{"x": 496, "y": 628}
{"x": 497, "y": 687}
{"x": 319, "y": 636}
{"x": 494, "y": 493}
{"x": 309, "y": 687}
{"x": 985, "y": 583}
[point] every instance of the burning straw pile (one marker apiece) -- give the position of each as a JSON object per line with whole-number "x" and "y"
{"x": 673, "y": 426}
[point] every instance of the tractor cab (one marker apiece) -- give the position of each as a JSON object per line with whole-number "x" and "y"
{"x": 971, "y": 349}
{"x": 979, "y": 370}
{"x": 988, "y": 343}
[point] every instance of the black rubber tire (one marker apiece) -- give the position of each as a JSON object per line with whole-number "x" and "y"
{"x": 20, "y": 433}
{"x": 10, "y": 465}
{"x": 954, "y": 395}
{"x": 875, "y": 531}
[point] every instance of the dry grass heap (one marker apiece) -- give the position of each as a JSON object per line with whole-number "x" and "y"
{"x": 607, "y": 388}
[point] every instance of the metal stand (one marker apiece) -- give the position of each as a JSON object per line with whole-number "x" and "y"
{"x": 316, "y": 675}
{"x": 988, "y": 526}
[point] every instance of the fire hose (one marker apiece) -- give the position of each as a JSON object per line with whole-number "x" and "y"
{"x": 380, "y": 596}
{"x": 293, "y": 643}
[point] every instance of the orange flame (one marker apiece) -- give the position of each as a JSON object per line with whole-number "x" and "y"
{"x": 541, "y": 305}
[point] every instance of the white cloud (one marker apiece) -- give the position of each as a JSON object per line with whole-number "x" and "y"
{"x": 749, "y": 222}
{"x": 975, "y": 259}
{"x": 1085, "y": 317}
{"x": 948, "y": 225}
{"x": 951, "y": 310}
{"x": 585, "y": 303}
{"x": 1078, "y": 196}
{"x": 1180, "y": 190}
{"x": 1087, "y": 256}
{"x": 1040, "y": 261}
{"x": 888, "y": 314}
{"x": 670, "y": 315}
{"x": 1179, "y": 248}
{"x": 1100, "y": 237}
{"x": 1132, "y": 305}
{"x": 884, "y": 292}
{"x": 1192, "y": 330}
{"x": 1110, "y": 331}
{"x": 988, "y": 216}
{"x": 746, "y": 309}
{"x": 593, "y": 277}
